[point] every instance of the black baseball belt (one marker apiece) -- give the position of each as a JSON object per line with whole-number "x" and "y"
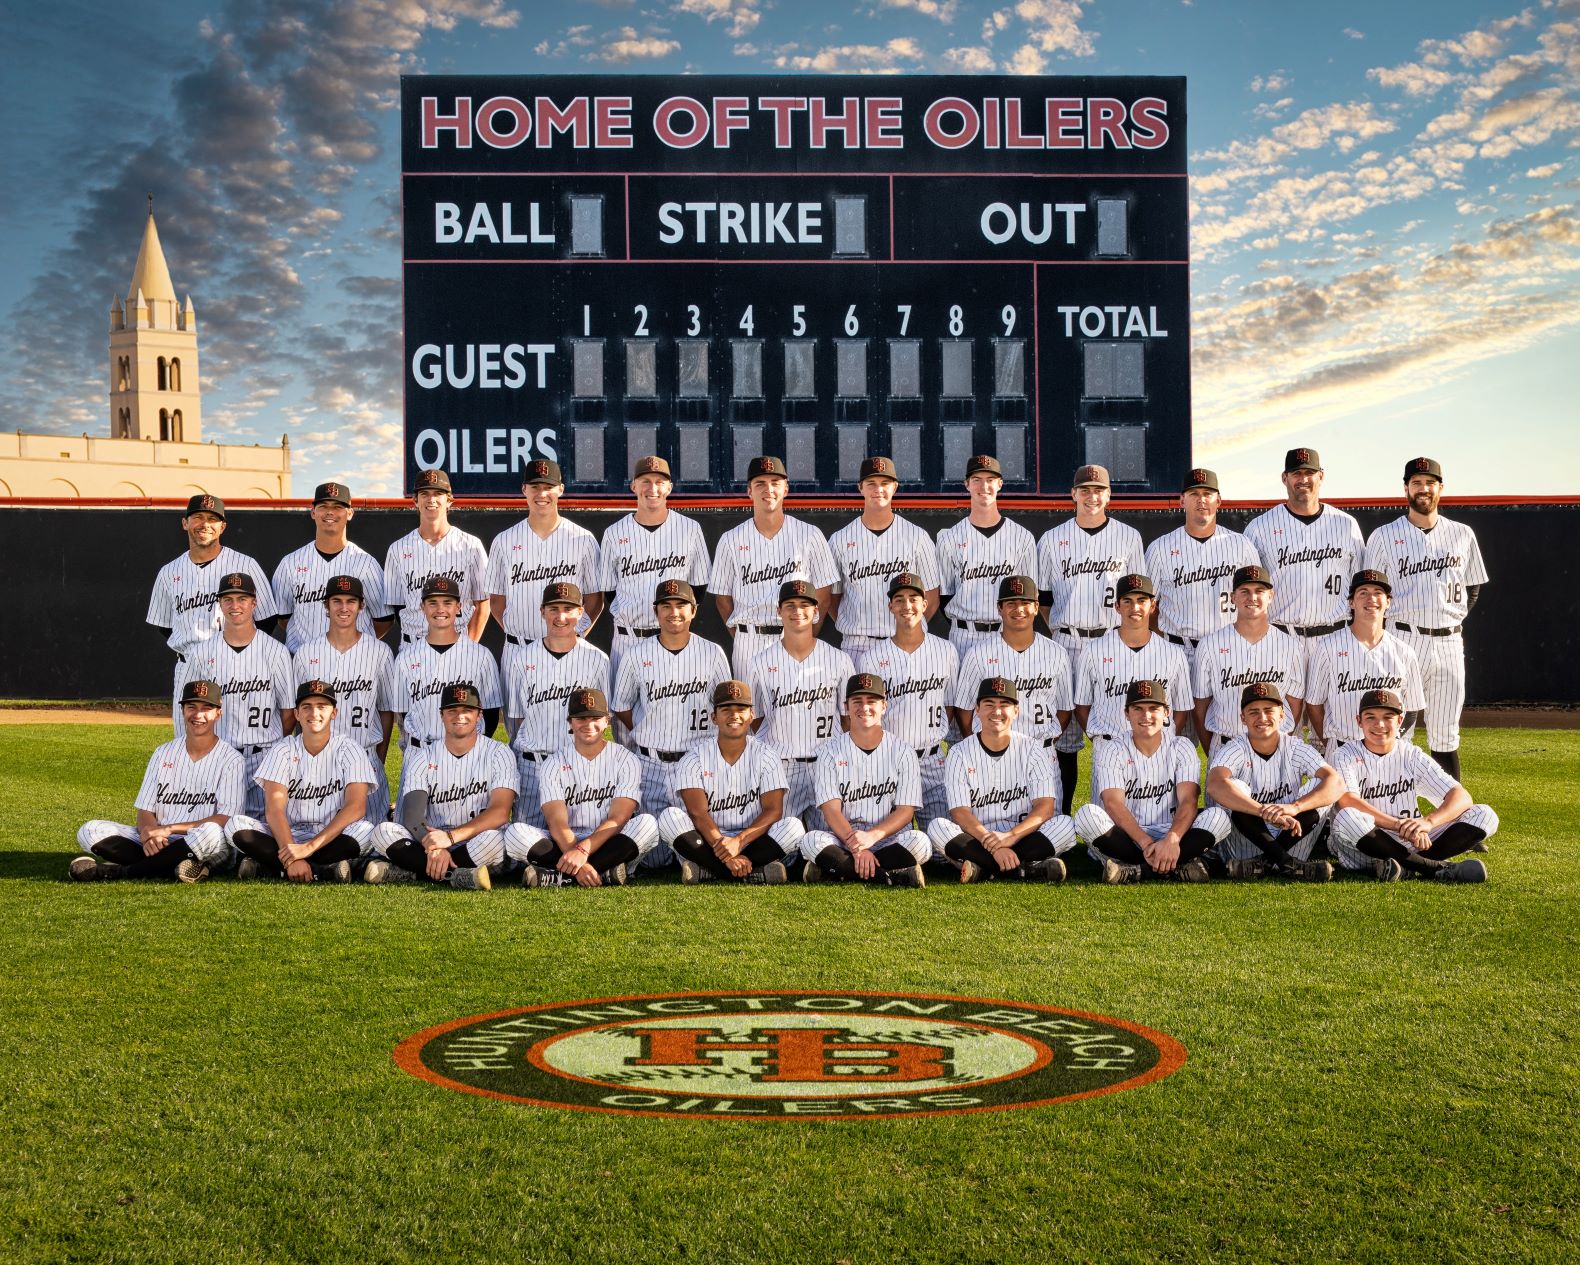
{"x": 977, "y": 625}
{"x": 1192, "y": 642}
{"x": 534, "y": 755}
{"x": 1081, "y": 632}
{"x": 636, "y": 632}
{"x": 1429, "y": 632}
{"x": 1310, "y": 630}
{"x": 923, "y": 752}
{"x": 773, "y": 629}
{"x": 668, "y": 757}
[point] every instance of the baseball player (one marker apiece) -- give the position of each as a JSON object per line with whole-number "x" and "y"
{"x": 1116, "y": 660}
{"x": 435, "y": 548}
{"x": 254, "y": 670}
{"x": 191, "y": 788}
{"x": 732, "y": 786}
{"x": 1143, "y": 819}
{"x": 755, "y": 559}
{"x": 1435, "y": 567}
{"x": 184, "y": 604}
{"x": 919, "y": 672}
{"x": 796, "y": 683}
{"x": 1193, "y": 566}
{"x": 1036, "y": 664}
{"x": 976, "y": 553}
{"x": 456, "y": 799}
{"x": 537, "y": 684}
{"x": 661, "y": 693}
{"x": 654, "y": 543}
{"x": 1003, "y": 798}
{"x": 1365, "y": 656}
{"x": 1077, "y": 564}
{"x": 869, "y": 790}
{"x": 1379, "y": 825}
{"x": 1243, "y": 653}
{"x": 301, "y": 581}
{"x": 869, "y": 552}
{"x": 315, "y": 788}
{"x": 542, "y": 548}
{"x": 1310, "y": 549}
{"x": 418, "y": 674}
{"x": 355, "y": 663}
{"x": 1274, "y": 788}
{"x": 590, "y": 796}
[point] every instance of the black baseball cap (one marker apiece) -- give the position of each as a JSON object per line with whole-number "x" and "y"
{"x": 1261, "y": 692}
{"x": 1422, "y": 465}
{"x": 1090, "y": 476}
{"x": 982, "y": 463}
{"x": 332, "y": 494}
{"x": 674, "y": 591}
{"x": 866, "y": 683}
{"x": 460, "y": 694}
{"x": 798, "y": 591}
{"x": 316, "y": 689}
{"x": 1379, "y": 578}
{"x": 651, "y": 465}
{"x": 586, "y": 702}
{"x": 202, "y": 690}
{"x": 441, "y": 586}
{"x": 203, "y": 503}
{"x": 1388, "y": 700}
{"x": 1252, "y": 575}
{"x": 732, "y": 694}
{"x": 432, "y": 481}
{"x": 1301, "y": 459}
{"x": 1017, "y": 588}
{"x": 541, "y": 470}
{"x": 1125, "y": 585}
{"x": 237, "y": 582}
{"x": 561, "y": 593}
{"x": 878, "y": 468}
{"x": 344, "y": 586}
{"x": 758, "y": 467}
{"x": 1147, "y": 692}
{"x": 1200, "y": 477}
{"x": 907, "y": 580}
{"x": 998, "y": 687}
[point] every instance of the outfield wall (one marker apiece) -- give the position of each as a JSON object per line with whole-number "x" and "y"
{"x": 78, "y": 580}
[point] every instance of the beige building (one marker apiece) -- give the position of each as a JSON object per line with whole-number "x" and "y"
{"x": 155, "y": 448}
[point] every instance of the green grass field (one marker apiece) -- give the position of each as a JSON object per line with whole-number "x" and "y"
{"x": 204, "y": 1073}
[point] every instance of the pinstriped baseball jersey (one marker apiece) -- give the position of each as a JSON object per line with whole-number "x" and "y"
{"x": 1195, "y": 577}
{"x": 920, "y": 684}
{"x": 1341, "y": 668}
{"x": 178, "y": 788}
{"x": 538, "y": 682}
{"x": 1078, "y": 568}
{"x": 669, "y": 692}
{"x": 1393, "y": 783}
{"x": 315, "y": 784}
{"x": 734, "y": 791}
{"x": 1274, "y": 779}
{"x": 1429, "y": 570}
{"x": 1311, "y": 563}
{"x": 866, "y": 561}
{"x": 633, "y": 559}
{"x": 459, "y": 786}
{"x": 257, "y": 683}
{"x": 800, "y": 701}
{"x": 1041, "y": 673}
{"x": 590, "y": 787}
{"x": 354, "y": 674}
{"x": 999, "y": 789}
{"x": 418, "y": 675}
{"x": 867, "y": 784}
{"x": 749, "y": 568}
{"x": 303, "y": 576}
{"x": 1107, "y": 668}
{"x": 520, "y": 564}
{"x": 1149, "y": 782}
{"x": 971, "y": 563}
{"x": 185, "y": 598}
{"x": 1226, "y": 663}
{"x": 411, "y": 562}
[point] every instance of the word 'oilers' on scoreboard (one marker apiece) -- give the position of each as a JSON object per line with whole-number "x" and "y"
{"x": 819, "y": 267}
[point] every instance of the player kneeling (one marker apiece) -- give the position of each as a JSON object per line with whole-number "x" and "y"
{"x": 1274, "y": 788}
{"x": 315, "y": 797}
{"x": 192, "y": 786}
{"x": 1148, "y": 823}
{"x": 456, "y": 798}
{"x": 733, "y": 788}
{"x": 1003, "y": 791}
{"x": 1378, "y": 826}
{"x": 869, "y": 786}
{"x": 590, "y": 790}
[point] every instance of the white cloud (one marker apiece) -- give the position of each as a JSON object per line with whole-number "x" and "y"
{"x": 890, "y": 58}
{"x": 975, "y": 60}
{"x": 1275, "y": 82}
{"x": 740, "y": 17}
{"x": 1544, "y": 171}
{"x": 627, "y": 46}
{"x": 1350, "y": 33}
{"x": 943, "y": 10}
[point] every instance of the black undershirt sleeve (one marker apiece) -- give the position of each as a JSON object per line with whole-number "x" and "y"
{"x": 1472, "y": 592}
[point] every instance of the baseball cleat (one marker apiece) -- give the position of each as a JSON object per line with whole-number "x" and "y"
{"x": 1115, "y": 874}
{"x": 468, "y": 878}
{"x": 810, "y": 873}
{"x": 541, "y": 876}
{"x": 86, "y": 869}
{"x": 191, "y": 870}
{"x": 1312, "y": 871}
{"x": 1467, "y": 871}
{"x": 248, "y": 867}
{"x": 334, "y": 872}
{"x": 910, "y": 876}
{"x": 690, "y": 871}
{"x": 1387, "y": 870}
{"x": 376, "y": 870}
{"x": 1194, "y": 871}
{"x": 970, "y": 872}
{"x": 774, "y": 873}
{"x": 1050, "y": 871}
{"x": 615, "y": 877}
{"x": 1247, "y": 868}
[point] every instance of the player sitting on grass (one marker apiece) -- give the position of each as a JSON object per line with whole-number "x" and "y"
{"x": 1379, "y": 826}
{"x": 590, "y": 791}
{"x": 733, "y": 788}
{"x": 456, "y": 799}
{"x": 1003, "y": 790}
{"x": 870, "y": 788}
{"x": 1274, "y": 788}
{"x": 315, "y": 797}
{"x": 1145, "y": 820}
{"x": 191, "y": 787}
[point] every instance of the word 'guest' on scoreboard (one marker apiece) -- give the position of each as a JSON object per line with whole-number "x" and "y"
{"x": 820, "y": 267}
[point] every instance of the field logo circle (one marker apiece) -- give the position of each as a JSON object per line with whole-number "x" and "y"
{"x": 789, "y": 1055}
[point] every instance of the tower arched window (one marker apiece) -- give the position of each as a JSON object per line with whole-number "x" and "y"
{"x": 124, "y": 424}
{"x": 175, "y": 375}
{"x": 175, "y": 426}
{"x": 126, "y": 374}
{"x": 164, "y": 375}
{"x": 164, "y": 423}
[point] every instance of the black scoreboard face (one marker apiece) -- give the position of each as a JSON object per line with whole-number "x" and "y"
{"x": 821, "y": 268}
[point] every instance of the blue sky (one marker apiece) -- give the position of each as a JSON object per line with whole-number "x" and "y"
{"x": 1385, "y": 241}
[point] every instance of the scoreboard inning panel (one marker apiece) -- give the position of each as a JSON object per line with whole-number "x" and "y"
{"x": 711, "y": 268}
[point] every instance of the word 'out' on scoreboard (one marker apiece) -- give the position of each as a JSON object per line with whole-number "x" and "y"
{"x": 712, "y": 268}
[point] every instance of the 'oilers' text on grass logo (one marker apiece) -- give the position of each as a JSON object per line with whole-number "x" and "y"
{"x": 786, "y": 1055}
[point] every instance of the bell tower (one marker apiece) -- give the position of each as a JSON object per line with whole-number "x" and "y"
{"x": 153, "y": 353}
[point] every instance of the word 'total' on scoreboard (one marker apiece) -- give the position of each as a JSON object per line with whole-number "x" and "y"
{"x": 710, "y": 268}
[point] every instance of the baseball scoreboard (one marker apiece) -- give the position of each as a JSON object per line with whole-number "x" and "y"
{"x": 710, "y": 268}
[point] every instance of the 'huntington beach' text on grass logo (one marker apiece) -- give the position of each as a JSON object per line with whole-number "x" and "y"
{"x": 789, "y": 1055}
